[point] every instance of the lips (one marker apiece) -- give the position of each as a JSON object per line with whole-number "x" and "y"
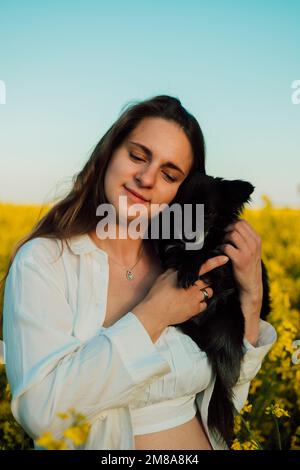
{"x": 136, "y": 194}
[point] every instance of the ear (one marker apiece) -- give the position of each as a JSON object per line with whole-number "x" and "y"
{"x": 236, "y": 192}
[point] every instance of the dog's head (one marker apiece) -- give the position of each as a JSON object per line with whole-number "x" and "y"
{"x": 223, "y": 201}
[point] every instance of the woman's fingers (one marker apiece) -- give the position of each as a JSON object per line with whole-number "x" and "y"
{"x": 213, "y": 263}
{"x": 209, "y": 264}
{"x": 209, "y": 292}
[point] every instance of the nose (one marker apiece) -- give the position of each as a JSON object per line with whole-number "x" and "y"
{"x": 146, "y": 177}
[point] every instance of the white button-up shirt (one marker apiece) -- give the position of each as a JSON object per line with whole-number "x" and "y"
{"x": 59, "y": 356}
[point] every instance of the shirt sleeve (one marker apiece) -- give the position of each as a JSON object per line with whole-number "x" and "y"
{"x": 2, "y": 352}
{"x": 50, "y": 370}
{"x": 252, "y": 361}
{"x": 254, "y": 355}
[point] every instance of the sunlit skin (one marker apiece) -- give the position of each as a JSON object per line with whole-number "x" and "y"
{"x": 244, "y": 250}
{"x": 282, "y": 373}
{"x": 155, "y": 181}
{"x": 150, "y": 176}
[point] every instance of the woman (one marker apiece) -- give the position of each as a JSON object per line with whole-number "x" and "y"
{"x": 89, "y": 327}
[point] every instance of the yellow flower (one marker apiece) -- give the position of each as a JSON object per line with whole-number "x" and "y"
{"x": 58, "y": 445}
{"x": 278, "y": 380}
{"x": 276, "y": 411}
{"x": 247, "y": 445}
{"x": 250, "y": 445}
{"x": 48, "y": 442}
{"x": 246, "y": 408}
{"x": 295, "y": 440}
{"x": 77, "y": 434}
{"x": 255, "y": 384}
{"x": 45, "y": 439}
{"x": 236, "y": 445}
{"x": 63, "y": 415}
{"x": 237, "y": 424}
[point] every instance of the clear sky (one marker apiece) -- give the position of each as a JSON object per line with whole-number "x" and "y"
{"x": 70, "y": 66}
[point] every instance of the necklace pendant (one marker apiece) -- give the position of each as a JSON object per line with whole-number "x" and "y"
{"x": 129, "y": 275}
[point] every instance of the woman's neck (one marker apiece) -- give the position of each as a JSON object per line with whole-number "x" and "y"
{"x": 126, "y": 251}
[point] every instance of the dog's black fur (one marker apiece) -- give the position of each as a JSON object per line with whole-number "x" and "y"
{"x": 218, "y": 330}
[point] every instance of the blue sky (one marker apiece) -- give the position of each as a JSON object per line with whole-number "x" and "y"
{"x": 70, "y": 66}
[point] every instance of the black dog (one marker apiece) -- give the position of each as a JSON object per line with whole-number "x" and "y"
{"x": 219, "y": 330}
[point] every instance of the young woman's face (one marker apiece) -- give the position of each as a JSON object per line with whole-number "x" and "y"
{"x": 155, "y": 175}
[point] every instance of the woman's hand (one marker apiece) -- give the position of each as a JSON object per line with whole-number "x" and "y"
{"x": 166, "y": 304}
{"x": 244, "y": 250}
{"x": 245, "y": 255}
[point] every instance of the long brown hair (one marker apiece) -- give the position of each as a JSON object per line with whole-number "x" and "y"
{"x": 75, "y": 214}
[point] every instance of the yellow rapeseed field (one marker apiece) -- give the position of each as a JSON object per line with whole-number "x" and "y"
{"x": 271, "y": 417}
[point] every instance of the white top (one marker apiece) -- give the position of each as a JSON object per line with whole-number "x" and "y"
{"x": 59, "y": 356}
{"x": 170, "y": 400}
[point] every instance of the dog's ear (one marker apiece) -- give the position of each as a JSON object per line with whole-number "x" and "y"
{"x": 226, "y": 197}
{"x": 236, "y": 191}
{"x": 233, "y": 195}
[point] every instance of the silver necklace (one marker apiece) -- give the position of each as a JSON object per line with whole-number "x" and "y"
{"x": 129, "y": 273}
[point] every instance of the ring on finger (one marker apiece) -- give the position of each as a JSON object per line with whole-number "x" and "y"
{"x": 205, "y": 293}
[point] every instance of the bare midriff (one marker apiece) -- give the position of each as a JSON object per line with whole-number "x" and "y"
{"x": 124, "y": 295}
{"x": 188, "y": 436}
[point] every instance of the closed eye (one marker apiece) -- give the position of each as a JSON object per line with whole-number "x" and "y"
{"x": 134, "y": 157}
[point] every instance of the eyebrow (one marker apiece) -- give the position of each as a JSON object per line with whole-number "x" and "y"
{"x": 149, "y": 154}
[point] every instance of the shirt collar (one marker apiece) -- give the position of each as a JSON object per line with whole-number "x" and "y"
{"x": 83, "y": 244}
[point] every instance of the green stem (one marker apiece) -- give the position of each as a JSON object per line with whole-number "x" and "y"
{"x": 277, "y": 431}
{"x": 250, "y": 433}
